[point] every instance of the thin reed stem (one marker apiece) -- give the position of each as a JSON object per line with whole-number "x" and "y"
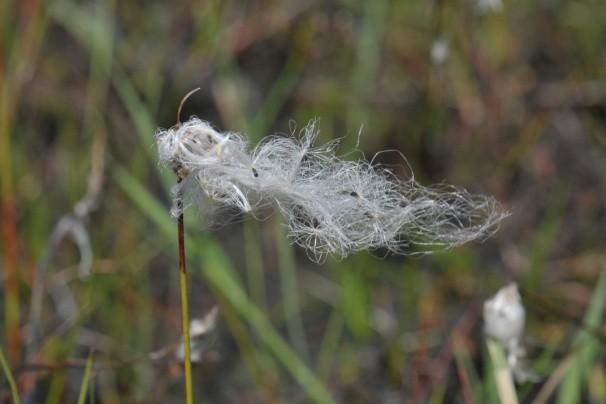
{"x": 189, "y": 396}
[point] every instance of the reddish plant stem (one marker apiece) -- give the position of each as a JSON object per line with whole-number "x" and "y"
{"x": 181, "y": 241}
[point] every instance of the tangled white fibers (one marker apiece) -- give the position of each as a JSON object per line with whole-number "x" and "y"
{"x": 332, "y": 205}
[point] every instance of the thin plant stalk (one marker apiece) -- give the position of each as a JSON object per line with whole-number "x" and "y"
{"x": 189, "y": 397}
{"x": 288, "y": 281}
{"x": 183, "y": 285}
{"x": 85, "y": 379}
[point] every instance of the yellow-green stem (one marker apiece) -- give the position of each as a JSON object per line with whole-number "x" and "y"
{"x": 189, "y": 396}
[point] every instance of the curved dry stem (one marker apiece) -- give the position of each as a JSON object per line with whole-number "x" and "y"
{"x": 185, "y": 97}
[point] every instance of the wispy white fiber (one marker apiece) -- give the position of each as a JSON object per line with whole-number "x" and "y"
{"x": 332, "y": 205}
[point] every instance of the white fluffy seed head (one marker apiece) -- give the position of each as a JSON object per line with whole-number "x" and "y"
{"x": 504, "y": 316}
{"x": 332, "y": 206}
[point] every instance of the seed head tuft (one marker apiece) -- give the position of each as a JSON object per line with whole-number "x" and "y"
{"x": 332, "y": 205}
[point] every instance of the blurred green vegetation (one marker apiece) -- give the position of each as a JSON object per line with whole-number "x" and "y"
{"x": 504, "y": 98}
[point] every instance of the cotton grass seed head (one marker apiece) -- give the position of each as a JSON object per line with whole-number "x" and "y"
{"x": 332, "y": 206}
{"x": 504, "y": 316}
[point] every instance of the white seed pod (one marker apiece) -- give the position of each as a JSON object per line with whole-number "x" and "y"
{"x": 332, "y": 206}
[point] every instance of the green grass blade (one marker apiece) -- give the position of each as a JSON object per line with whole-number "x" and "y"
{"x": 254, "y": 262}
{"x": 278, "y": 94}
{"x": 330, "y": 345}
{"x": 290, "y": 292}
{"x": 465, "y": 366}
{"x": 587, "y": 347}
{"x": 94, "y": 32}
{"x": 9, "y": 377}
{"x": 354, "y": 299}
{"x": 137, "y": 110}
{"x": 148, "y": 205}
{"x": 85, "y": 379}
{"x": 223, "y": 280}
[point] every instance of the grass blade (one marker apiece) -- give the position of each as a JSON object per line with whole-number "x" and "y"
{"x": 290, "y": 292}
{"x": 504, "y": 381}
{"x": 9, "y": 377}
{"x": 226, "y": 284}
{"x": 85, "y": 379}
{"x": 587, "y": 347}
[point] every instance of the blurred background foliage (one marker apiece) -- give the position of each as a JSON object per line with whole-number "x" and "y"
{"x": 504, "y": 98}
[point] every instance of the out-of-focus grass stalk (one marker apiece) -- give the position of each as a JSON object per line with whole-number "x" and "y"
{"x": 9, "y": 377}
{"x": 587, "y": 345}
{"x": 290, "y": 292}
{"x": 224, "y": 281}
{"x": 369, "y": 45}
{"x": 9, "y": 229}
{"x": 502, "y": 374}
{"x": 260, "y": 367}
{"x": 254, "y": 263}
{"x": 467, "y": 371}
{"x": 15, "y": 66}
{"x": 85, "y": 379}
{"x": 277, "y": 96}
{"x": 553, "y": 381}
{"x": 437, "y": 394}
{"x": 330, "y": 344}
